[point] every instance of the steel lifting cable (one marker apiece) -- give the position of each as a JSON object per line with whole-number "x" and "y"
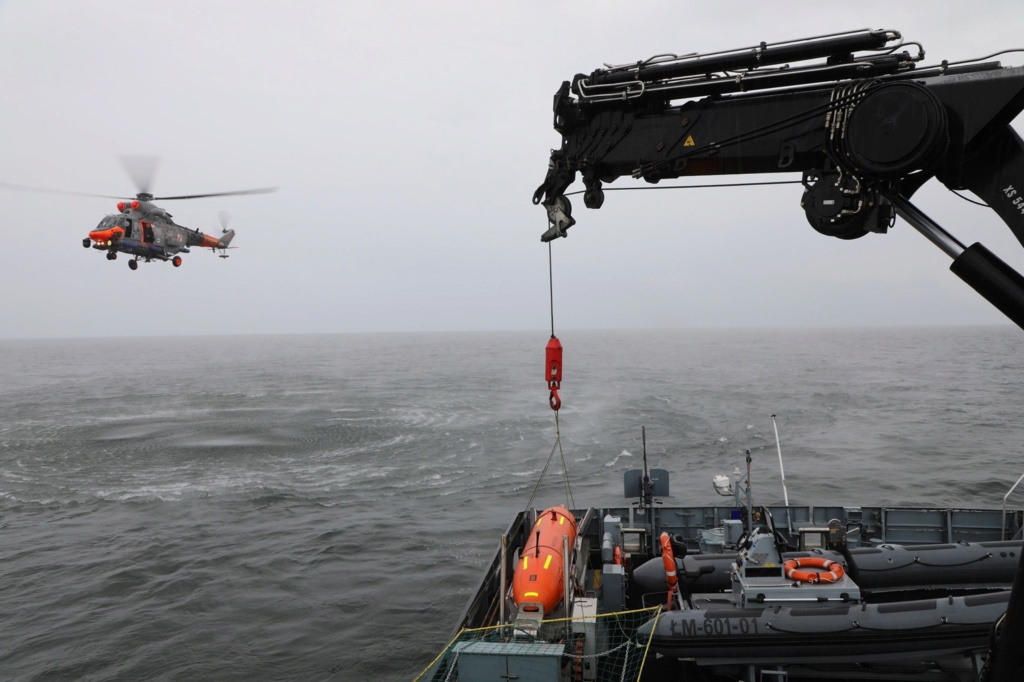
{"x": 565, "y": 472}
{"x": 553, "y": 375}
{"x": 553, "y": 352}
{"x": 551, "y": 291}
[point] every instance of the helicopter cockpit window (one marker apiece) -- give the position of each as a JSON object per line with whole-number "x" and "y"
{"x": 108, "y": 222}
{"x": 127, "y": 228}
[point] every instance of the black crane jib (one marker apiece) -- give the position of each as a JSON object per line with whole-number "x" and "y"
{"x": 864, "y": 131}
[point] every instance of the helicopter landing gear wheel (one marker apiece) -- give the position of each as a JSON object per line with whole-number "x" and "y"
{"x": 111, "y": 255}
{"x": 176, "y": 261}
{"x": 133, "y": 264}
{"x": 86, "y": 242}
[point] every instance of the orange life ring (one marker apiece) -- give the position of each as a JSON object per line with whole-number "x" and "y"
{"x": 668, "y": 559}
{"x": 832, "y": 571}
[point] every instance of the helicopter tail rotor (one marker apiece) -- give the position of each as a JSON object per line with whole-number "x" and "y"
{"x": 226, "y": 234}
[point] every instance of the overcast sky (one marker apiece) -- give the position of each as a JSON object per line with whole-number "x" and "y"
{"x": 407, "y": 139}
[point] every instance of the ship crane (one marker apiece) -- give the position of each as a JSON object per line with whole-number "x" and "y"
{"x": 853, "y": 113}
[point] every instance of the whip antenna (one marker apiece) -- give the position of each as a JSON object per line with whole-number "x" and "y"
{"x": 782, "y": 473}
{"x": 778, "y": 445}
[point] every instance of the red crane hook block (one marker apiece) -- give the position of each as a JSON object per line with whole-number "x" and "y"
{"x": 553, "y": 371}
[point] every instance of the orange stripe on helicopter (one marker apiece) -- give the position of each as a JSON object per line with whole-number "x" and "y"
{"x": 545, "y": 588}
{"x": 102, "y": 236}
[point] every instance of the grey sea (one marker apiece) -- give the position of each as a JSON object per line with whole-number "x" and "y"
{"x": 321, "y": 507}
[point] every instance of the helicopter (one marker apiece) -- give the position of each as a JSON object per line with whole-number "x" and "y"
{"x": 144, "y": 231}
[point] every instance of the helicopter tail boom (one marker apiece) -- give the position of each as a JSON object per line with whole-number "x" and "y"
{"x": 212, "y": 242}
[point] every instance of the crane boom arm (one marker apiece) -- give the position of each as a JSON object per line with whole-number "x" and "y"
{"x": 863, "y": 131}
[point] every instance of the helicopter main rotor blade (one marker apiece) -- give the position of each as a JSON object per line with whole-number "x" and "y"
{"x": 263, "y": 190}
{"x": 43, "y": 190}
{"x": 141, "y": 169}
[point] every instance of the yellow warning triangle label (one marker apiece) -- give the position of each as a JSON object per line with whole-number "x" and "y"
{"x": 689, "y": 141}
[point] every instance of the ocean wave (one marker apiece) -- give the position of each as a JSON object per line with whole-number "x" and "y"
{"x": 615, "y": 461}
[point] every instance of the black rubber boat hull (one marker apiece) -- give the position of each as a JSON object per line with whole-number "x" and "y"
{"x": 807, "y": 634}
